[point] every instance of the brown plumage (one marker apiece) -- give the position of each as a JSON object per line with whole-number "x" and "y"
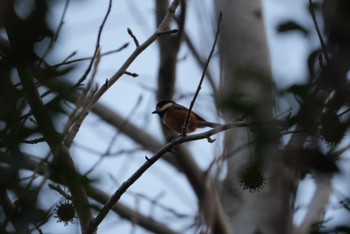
{"x": 174, "y": 115}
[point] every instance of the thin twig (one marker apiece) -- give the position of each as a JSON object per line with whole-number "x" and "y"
{"x": 67, "y": 62}
{"x": 10, "y": 209}
{"x": 201, "y": 63}
{"x": 199, "y": 87}
{"x": 71, "y": 55}
{"x": 172, "y": 31}
{"x": 61, "y": 21}
{"x": 114, "y": 138}
{"x": 125, "y": 122}
{"x": 155, "y": 202}
{"x": 58, "y": 30}
{"x": 73, "y": 129}
{"x": 34, "y": 141}
{"x": 198, "y": 59}
{"x": 132, "y": 74}
{"x": 58, "y": 189}
{"x": 137, "y": 44}
{"x": 76, "y": 118}
{"x": 319, "y": 34}
{"x": 97, "y": 47}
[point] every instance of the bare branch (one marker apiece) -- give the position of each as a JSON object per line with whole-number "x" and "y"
{"x": 318, "y": 203}
{"x": 162, "y": 27}
{"x": 127, "y": 213}
{"x": 33, "y": 163}
{"x": 58, "y": 189}
{"x": 11, "y": 211}
{"x": 55, "y": 36}
{"x": 201, "y": 63}
{"x": 61, "y": 21}
{"x": 168, "y": 50}
{"x": 131, "y": 74}
{"x": 75, "y": 120}
{"x": 173, "y": 31}
{"x": 137, "y": 44}
{"x": 184, "y": 128}
{"x": 150, "y": 161}
{"x": 67, "y": 62}
{"x": 319, "y": 34}
{"x": 97, "y": 47}
{"x": 34, "y": 141}
{"x": 123, "y": 125}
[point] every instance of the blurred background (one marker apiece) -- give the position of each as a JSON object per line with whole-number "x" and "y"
{"x": 55, "y": 55}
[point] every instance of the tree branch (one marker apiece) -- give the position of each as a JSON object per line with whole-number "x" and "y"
{"x": 97, "y": 46}
{"x": 319, "y": 34}
{"x": 199, "y": 87}
{"x": 150, "y": 161}
{"x": 62, "y": 157}
{"x": 318, "y": 203}
{"x": 161, "y": 28}
{"x": 129, "y": 214}
{"x": 12, "y": 213}
{"x": 67, "y": 62}
{"x": 168, "y": 50}
{"x": 33, "y": 163}
{"x": 109, "y": 82}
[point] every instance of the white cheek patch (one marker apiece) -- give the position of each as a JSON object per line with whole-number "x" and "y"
{"x": 164, "y": 107}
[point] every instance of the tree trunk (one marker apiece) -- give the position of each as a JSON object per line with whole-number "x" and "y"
{"x": 247, "y": 93}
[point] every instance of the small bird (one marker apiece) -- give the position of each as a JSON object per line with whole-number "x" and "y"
{"x": 174, "y": 116}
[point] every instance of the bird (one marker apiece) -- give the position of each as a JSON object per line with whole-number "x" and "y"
{"x": 174, "y": 115}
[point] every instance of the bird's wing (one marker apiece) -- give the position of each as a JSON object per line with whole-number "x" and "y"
{"x": 185, "y": 108}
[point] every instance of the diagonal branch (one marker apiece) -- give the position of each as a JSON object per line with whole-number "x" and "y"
{"x": 150, "y": 161}
{"x": 201, "y": 63}
{"x": 125, "y": 212}
{"x": 161, "y": 29}
{"x": 199, "y": 87}
{"x": 109, "y": 82}
{"x": 318, "y": 203}
{"x": 319, "y": 34}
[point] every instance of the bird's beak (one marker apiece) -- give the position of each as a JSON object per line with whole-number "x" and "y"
{"x": 155, "y": 112}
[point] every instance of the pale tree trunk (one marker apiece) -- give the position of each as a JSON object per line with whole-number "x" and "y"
{"x": 247, "y": 80}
